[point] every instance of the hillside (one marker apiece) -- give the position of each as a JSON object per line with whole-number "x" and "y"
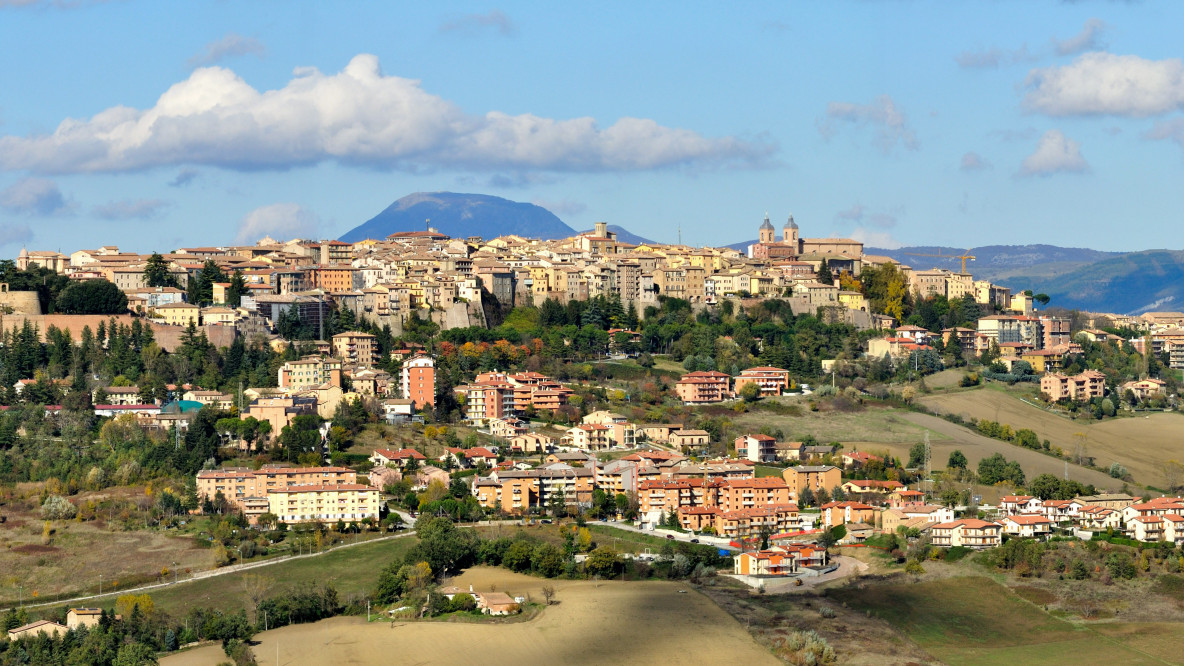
{"x": 1127, "y": 283}
{"x": 460, "y": 216}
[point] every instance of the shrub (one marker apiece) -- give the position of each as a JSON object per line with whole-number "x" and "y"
{"x": 56, "y": 507}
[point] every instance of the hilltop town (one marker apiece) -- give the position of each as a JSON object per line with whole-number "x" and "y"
{"x": 280, "y": 399}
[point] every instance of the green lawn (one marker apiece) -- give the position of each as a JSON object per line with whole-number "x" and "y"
{"x": 977, "y": 621}
{"x": 765, "y": 470}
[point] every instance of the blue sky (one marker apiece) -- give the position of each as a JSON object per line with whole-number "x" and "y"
{"x": 154, "y": 125}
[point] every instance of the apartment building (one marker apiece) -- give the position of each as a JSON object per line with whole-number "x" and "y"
{"x": 1078, "y": 388}
{"x": 355, "y": 348}
{"x": 236, "y": 484}
{"x": 814, "y": 477}
{"x": 418, "y": 380}
{"x": 703, "y": 387}
{"x": 310, "y": 371}
{"x": 324, "y": 503}
{"x": 757, "y": 448}
{"x": 772, "y": 381}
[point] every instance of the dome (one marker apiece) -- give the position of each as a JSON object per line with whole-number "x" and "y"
{"x": 791, "y": 224}
{"x": 24, "y": 253}
{"x": 767, "y": 225}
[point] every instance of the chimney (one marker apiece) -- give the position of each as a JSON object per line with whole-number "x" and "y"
{"x": 324, "y": 253}
{"x": 601, "y": 229}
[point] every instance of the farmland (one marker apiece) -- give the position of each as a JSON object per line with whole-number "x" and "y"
{"x": 1141, "y": 444}
{"x": 593, "y": 622}
{"x": 973, "y": 620}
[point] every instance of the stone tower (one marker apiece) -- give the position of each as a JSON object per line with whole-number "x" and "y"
{"x": 789, "y": 234}
{"x": 767, "y": 232}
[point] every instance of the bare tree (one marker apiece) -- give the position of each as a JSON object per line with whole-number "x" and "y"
{"x": 1173, "y": 475}
{"x": 549, "y": 593}
{"x": 256, "y": 587}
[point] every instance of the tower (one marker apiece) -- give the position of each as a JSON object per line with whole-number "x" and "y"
{"x": 767, "y": 232}
{"x": 789, "y": 234}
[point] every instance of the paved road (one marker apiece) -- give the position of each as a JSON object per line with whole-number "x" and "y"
{"x": 213, "y": 573}
{"x": 848, "y": 566}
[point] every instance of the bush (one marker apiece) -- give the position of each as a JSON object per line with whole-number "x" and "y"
{"x": 56, "y": 507}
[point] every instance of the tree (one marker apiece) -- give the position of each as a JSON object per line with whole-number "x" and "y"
{"x": 750, "y": 392}
{"x": 156, "y": 272}
{"x": 918, "y": 455}
{"x": 238, "y": 289}
{"x": 1045, "y": 486}
{"x": 603, "y": 561}
{"x": 92, "y": 297}
{"x": 957, "y": 460}
{"x": 548, "y": 594}
{"x": 824, "y": 274}
{"x": 56, "y": 507}
{"x": 1173, "y": 475}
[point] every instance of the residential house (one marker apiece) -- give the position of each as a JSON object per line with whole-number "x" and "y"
{"x": 33, "y": 629}
{"x": 757, "y": 448}
{"x": 1016, "y": 504}
{"x": 772, "y": 381}
{"x": 967, "y": 533}
{"x": 841, "y": 513}
{"x": 703, "y": 387}
{"x": 689, "y": 440}
{"x": 1025, "y": 525}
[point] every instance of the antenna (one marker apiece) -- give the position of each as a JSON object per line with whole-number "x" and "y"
{"x": 680, "y": 234}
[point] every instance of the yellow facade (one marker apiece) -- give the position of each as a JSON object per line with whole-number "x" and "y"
{"x": 301, "y": 504}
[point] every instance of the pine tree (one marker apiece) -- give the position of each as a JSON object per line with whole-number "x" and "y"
{"x": 156, "y": 272}
{"x": 236, "y": 290}
{"x": 824, "y": 274}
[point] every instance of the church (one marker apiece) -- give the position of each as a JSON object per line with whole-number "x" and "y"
{"x": 837, "y": 251}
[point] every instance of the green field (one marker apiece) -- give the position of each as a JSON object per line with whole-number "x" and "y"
{"x": 351, "y": 570}
{"x": 974, "y": 620}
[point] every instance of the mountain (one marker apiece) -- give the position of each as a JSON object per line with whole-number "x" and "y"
{"x": 998, "y": 263}
{"x": 1129, "y": 283}
{"x": 625, "y": 236}
{"x": 460, "y": 216}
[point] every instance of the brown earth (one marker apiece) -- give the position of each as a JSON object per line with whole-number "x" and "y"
{"x": 592, "y": 622}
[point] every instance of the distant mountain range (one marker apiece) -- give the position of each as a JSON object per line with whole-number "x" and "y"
{"x": 1075, "y": 278}
{"x": 463, "y": 215}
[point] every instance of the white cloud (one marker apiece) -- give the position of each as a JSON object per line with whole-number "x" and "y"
{"x": 882, "y": 239}
{"x": 892, "y": 125}
{"x": 562, "y": 206}
{"x": 1104, "y": 83}
{"x": 359, "y": 117}
{"x": 230, "y": 45}
{"x": 14, "y": 234}
{"x": 1089, "y": 39}
{"x": 972, "y": 161}
{"x": 495, "y": 19}
{"x": 281, "y": 221}
{"x": 34, "y": 196}
{"x": 130, "y": 209}
{"x": 993, "y": 57}
{"x": 1055, "y": 153}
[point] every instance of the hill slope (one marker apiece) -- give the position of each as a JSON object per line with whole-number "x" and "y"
{"x": 461, "y": 215}
{"x": 1130, "y": 283}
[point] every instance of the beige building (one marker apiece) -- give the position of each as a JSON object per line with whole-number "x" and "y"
{"x": 178, "y": 314}
{"x": 310, "y": 371}
{"x": 814, "y": 477}
{"x": 354, "y": 347}
{"x": 327, "y": 503}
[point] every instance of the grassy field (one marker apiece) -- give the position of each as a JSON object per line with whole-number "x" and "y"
{"x": 977, "y": 621}
{"x": 77, "y": 553}
{"x": 350, "y": 570}
{"x": 592, "y": 622}
{"x": 1139, "y": 443}
{"x": 874, "y": 424}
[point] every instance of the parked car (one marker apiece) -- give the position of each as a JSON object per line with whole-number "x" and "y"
{"x": 669, "y": 536}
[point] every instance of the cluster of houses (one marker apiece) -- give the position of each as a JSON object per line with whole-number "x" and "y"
{"x": 1158, "y": 519}
{"x": 76, "y": 618}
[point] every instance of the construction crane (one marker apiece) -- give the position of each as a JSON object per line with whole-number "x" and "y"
{"x": 963, "y": 257}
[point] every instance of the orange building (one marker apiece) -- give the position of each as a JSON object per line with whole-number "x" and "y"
{"x": 772, "y": 381}
{"x": 419, "y": 381}
{"x": 703, "y": 387}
